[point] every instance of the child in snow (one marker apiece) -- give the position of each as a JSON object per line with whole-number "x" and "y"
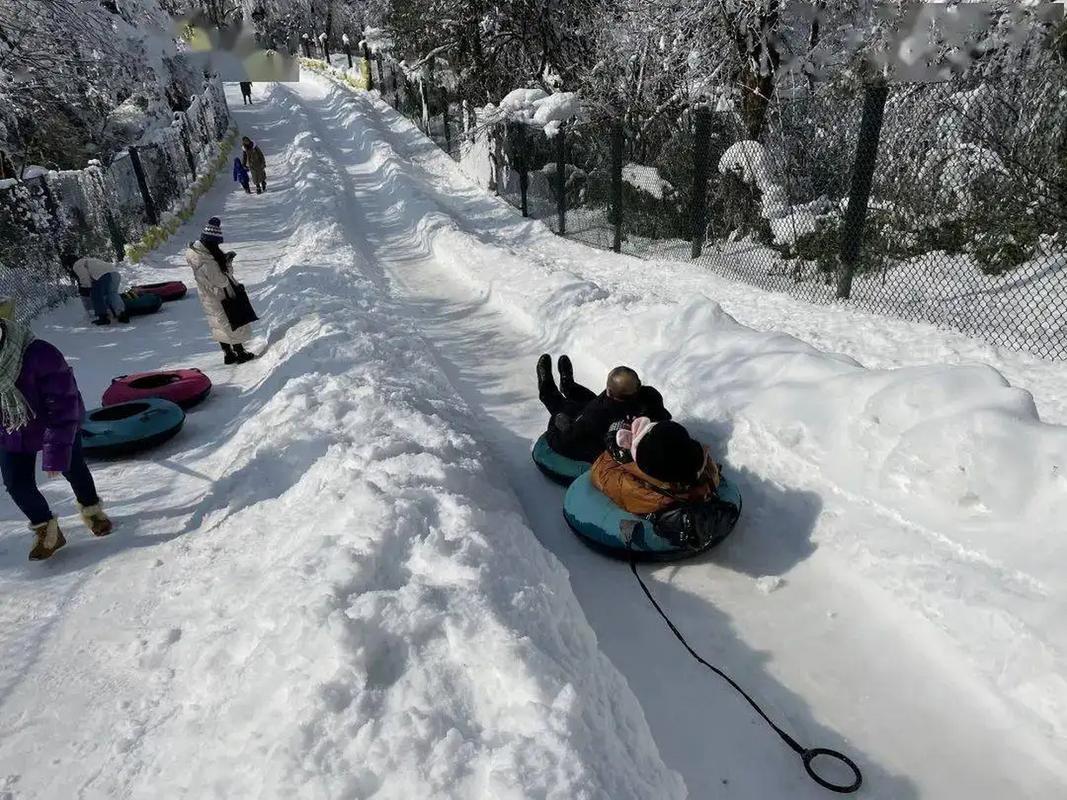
{"x": 653, "y": 466}
{"x": 41, "y": 410}
{"x": 98, "y": 284}
{"x": 579, "y": 419}
{"x": 240, "y": 174}
{"x": 212, "y": 269}
{"x": 255, "y": 162}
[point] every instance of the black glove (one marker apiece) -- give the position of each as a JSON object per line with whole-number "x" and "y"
{"x": 620, "y": 454}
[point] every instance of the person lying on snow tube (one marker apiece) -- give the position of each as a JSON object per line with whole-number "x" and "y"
{"x": 651, "y": 468}
{"x": 580, "y": 419}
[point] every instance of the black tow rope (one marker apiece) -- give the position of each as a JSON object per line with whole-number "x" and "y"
{"x": 806, "y": 755}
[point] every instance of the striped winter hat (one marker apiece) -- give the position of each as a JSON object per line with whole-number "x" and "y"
{"x": 212, "y": 231}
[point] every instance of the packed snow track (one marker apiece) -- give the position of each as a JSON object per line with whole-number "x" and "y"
{"x": 347, "y": 579}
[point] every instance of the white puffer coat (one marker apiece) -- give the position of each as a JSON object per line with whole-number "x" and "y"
{"x": 212, "y": 285}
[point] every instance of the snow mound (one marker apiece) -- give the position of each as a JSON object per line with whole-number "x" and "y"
{"x": 646, "y": 179}
{"x": 363, "y": 610}
{"x": 954, "y": 453}
{"x": 522, "y": 99}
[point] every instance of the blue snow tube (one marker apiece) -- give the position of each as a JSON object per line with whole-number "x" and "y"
{"x": 558, "y": 468}
{"x": 128, "y": 428}
{"x": 600, "y": 523}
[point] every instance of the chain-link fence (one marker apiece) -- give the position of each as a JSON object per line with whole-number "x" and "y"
{"x": 939, "y": 202}
{"x": 47, "y": 220}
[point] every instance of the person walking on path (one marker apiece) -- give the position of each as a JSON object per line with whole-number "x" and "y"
{"x": 212, "y": 270}
{"x": 100, "y": 281}
{"x": 240, "y": 174}
{"x": 255, "y": 162}
{"x": 41, "y": 410}
{"x": 246, "y": 92}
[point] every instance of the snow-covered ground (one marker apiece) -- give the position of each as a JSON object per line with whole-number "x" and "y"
{"x": 337, "y": 582}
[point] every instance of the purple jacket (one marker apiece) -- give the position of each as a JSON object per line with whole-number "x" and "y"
{"x": 48, "y": 384}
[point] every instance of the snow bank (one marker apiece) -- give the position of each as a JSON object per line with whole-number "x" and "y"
{"x": 954, "y": 453}
{"x": 365, "y": 612}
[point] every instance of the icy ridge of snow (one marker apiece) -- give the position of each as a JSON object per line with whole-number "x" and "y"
{"x": 389, "y": 626}
{"x": 956, "y": 460}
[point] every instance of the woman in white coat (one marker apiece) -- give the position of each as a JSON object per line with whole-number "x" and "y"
{"x": 211, "y": 268}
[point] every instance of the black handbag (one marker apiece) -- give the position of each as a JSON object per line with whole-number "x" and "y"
{"x": 237, "y": 307}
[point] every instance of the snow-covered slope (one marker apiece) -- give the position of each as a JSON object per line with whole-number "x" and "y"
{"x": 322, "y": 588}
{"x": 326, "y": 588}
{"x": 912, "y": 514}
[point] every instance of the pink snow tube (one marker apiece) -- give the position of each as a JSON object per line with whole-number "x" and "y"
{"x": 186, "y": 387}
{"x": 166, "y": 291}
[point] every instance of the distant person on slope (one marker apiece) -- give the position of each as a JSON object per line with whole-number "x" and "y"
{"x": 98, "y": 284}
{"x": 654, "y": 466}
{"x": 579, "y": 419}
{"x": 41, "y": 410}
{"x": 255, "y": 162}
{"x": 213, "y": 271}
{"x": 246, "y": 92}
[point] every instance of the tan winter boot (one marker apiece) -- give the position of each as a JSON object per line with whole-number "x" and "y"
{"x": 95, "y": 519}
{"x": 49, "y": 539}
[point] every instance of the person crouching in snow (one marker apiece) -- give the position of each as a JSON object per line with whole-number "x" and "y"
{"x": 41, "y": 410}
{"x": 240, "y": 174}
{"x": 654, "y": 466}
{"x": 103, "y": 281}
{"x": 212, "y": 270}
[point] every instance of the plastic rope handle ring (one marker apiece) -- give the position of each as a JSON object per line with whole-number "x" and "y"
{"x": 810, "y": 755}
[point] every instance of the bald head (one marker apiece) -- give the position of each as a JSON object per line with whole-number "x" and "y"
{"x": 623, "y": 382}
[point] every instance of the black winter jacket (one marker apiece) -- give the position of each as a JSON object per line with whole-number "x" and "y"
{"x": 583, "y": 439}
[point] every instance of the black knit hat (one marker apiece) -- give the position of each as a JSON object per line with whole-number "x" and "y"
{"x": 667, "y": 453}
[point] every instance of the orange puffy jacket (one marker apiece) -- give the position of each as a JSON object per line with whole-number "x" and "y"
{"x": 631, "y": 489}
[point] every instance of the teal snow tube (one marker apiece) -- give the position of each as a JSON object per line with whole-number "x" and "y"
{"x": 128, "y": 428}
{"x": 604, "y": 526}
{"x": 558, "y": 468}
{"x": 141, "y": 304}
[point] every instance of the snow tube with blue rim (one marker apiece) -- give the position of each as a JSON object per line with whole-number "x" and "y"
{"x": 128, "y": 428}
{"x": 558, "y": 468}
{"x": 167, "y": 290}
{"x": 186, "y": 387}
{"x": 141, "y": 304}
{"x": 597, "y": 522}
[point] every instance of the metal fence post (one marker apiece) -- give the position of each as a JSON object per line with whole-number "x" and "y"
{"x": 396, "y": 88}
{"x": 381, "y": 71}
{"x": 561, "y": 180}
{"x": 862, "y": 178}
{"x": 698, "y": 203}
{"x": 142, "y": 183}
{"x": 348, "y": 52}
{"x": 524, "y": 176}
{"x": 307, "y": 46}
{"x": 370, "y": 75}
{"x": 616, "y": 181}
{"x": 447, "y": 121}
